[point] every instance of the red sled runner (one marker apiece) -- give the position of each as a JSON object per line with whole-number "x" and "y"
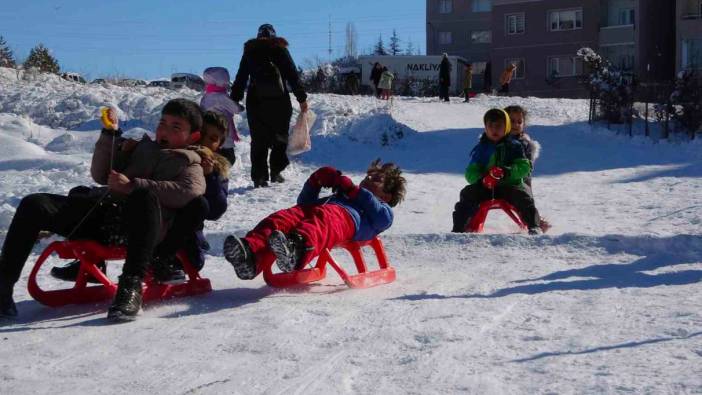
{"x": 475, "y": 225}
{"x": 89, "y": 253}
{"x": 363, "y": 279}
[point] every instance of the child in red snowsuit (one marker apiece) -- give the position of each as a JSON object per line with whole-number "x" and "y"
{"x": 299, "y": 233}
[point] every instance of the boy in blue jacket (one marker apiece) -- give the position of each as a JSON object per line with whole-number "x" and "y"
{"x": 497, "y": 169}
{"x": 297, "y": 234}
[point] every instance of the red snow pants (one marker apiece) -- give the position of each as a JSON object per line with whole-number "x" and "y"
{"x": 322, "y": 226}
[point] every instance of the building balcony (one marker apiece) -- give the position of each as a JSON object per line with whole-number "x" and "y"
{"x": 621, "y": 34}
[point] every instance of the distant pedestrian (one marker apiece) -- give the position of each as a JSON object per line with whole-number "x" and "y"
{"x": 352, "y": 83}
{"x": 375, "y": 77}
{"x": 468, "y": 82}
{"x": 487, "y": 78}
{"x": 385, "y": 85}
{"x": 444, "y": 78}
{"x": 267, "y": 69}
{"x": 506, "y": 78}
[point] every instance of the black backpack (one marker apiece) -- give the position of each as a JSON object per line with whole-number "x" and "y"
{"x": 268, "y": 81}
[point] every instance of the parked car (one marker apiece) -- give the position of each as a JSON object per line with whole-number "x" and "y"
{"x": 192, "y": 81}
{"x": 75, "y": 77}
{"x": 98, "y": 81}
{"x": 130, "y": 82}
{"x": 159, "y": 84}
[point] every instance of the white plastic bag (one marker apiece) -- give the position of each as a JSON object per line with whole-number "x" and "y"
{"x": 299, "y": 140}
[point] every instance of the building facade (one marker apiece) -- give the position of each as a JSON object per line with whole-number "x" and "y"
{"x": 461, "y": 28}
{"x": 541, "y": 37}
{"x": 688, "y": 39}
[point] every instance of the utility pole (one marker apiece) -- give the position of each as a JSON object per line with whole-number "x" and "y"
{"x": 330, "y": 40}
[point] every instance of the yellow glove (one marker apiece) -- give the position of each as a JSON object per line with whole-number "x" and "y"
{"x": 109, "y": 118}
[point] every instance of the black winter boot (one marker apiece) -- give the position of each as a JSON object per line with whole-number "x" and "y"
{"x": 128, "y": 299}
{"x": 277, "y": 178}
{"x": 288, "y": 250}
{"x": 167, "y": 269}
{"x": 239, "y": 254}
{"x": 70, "y": 271}
{"x": 7, "y": 304}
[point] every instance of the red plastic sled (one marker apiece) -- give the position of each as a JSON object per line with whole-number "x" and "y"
{"x": 90, "y": 253}
{"x": 364, "y": 279}
{"x": 475, "y": 225}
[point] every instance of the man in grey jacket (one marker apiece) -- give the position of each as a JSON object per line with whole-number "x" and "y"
{"x": 146, "y": 181}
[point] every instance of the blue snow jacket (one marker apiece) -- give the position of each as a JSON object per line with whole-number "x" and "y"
{"x": 370, "y": 215}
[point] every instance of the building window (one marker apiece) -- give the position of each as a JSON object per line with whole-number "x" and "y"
{"x": 626, "y": 16}
{"x": 566, "y": 20}
{"x": 445, "y": 38}
{"x": 515, "y": 23}
{"x": 692, "y": 9}
{"x": 482, "y": 5}
{"x": 445, "y": 6}
{"x": 564, "y": 66}
{"x": 691, "y": 54}
{"x": 519, "y": 72}
{"x": 621, "y": 56}
{"x": 481, "y": 37}
{"x": 479, "y": 67}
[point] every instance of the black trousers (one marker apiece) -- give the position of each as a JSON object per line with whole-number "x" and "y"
{"x": 62, "y": 215}
{"x": 181, "y": 233}
{"x": 444, "y": 92}
{"x": 472, "y": 195}
{"x": 260, "y": 147}
{"x": 269, "y": 123}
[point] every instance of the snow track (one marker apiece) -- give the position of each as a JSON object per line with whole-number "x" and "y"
{"x": 607, "y": 302}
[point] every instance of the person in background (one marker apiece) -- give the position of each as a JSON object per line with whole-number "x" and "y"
{"x": 468, "y": 82}
{"x": 217, "y": 99}
{"x": 444, "y": 78}
{"x": 265, "y": 72}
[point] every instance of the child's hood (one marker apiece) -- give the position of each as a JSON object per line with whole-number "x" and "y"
{"x": 218, "y": 76}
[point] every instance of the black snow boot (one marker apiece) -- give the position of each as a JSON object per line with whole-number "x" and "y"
{"x": 167, "y": 269}
{"x": 7, "y": 304}
{"x": 277, "y": 178}
{"x": 288, "y": 250}
{"x": 239, "y": 254}
{"x": 128, "y": 299}
{"x": 70, "y": 271}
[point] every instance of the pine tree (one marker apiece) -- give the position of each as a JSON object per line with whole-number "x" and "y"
{"x": 379, "y": 48}
{"x": 410, "y": 47}
{"x": 40, "y": 58}
{"x": 7, "y": 59}
{"x": 395, "y": 44}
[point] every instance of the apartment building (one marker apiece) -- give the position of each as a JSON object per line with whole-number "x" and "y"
{"x": 688, "y": 39}
{"x": 542, "y": 37}
{"x": 461, "y": 28}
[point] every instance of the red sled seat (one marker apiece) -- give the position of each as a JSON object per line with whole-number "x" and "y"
{"x": 475, "y": 225}
{"x": 89, "y": 253}
{"x": 363, "y": 279}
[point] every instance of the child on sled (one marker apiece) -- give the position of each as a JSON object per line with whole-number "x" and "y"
{"x": 146, "y": 182}
{"x": 297, "y": 234}
{"x": 532, "y": 148}
{"x": 497, "y": 170}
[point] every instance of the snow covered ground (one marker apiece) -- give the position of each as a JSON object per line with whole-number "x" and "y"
{"x": 609, "y": 301}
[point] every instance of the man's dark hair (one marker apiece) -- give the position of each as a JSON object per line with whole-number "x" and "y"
{"x": 494, "y": 115}
{"x": 218, "y": 121}
{"x": 187, "y": 110}
{"x": 394, "y": 183}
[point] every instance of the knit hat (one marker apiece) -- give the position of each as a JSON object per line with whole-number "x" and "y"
{"x": 494, "y": 114}
{"x": 266, "y": 30}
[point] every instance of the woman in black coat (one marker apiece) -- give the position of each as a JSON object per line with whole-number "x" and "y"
{"x": 444, "y": 78}
{"x": 268, "y": 68}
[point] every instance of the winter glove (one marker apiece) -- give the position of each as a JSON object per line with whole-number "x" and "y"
{"x": 493, "y": 177}
{"x": 326, "y": 177}
{"x": 346, "y": 187}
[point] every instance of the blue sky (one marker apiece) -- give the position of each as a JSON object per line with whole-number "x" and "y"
{"x": 153, "y": 38}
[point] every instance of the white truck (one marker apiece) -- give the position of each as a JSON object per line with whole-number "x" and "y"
{"x": 421, "y": 67}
